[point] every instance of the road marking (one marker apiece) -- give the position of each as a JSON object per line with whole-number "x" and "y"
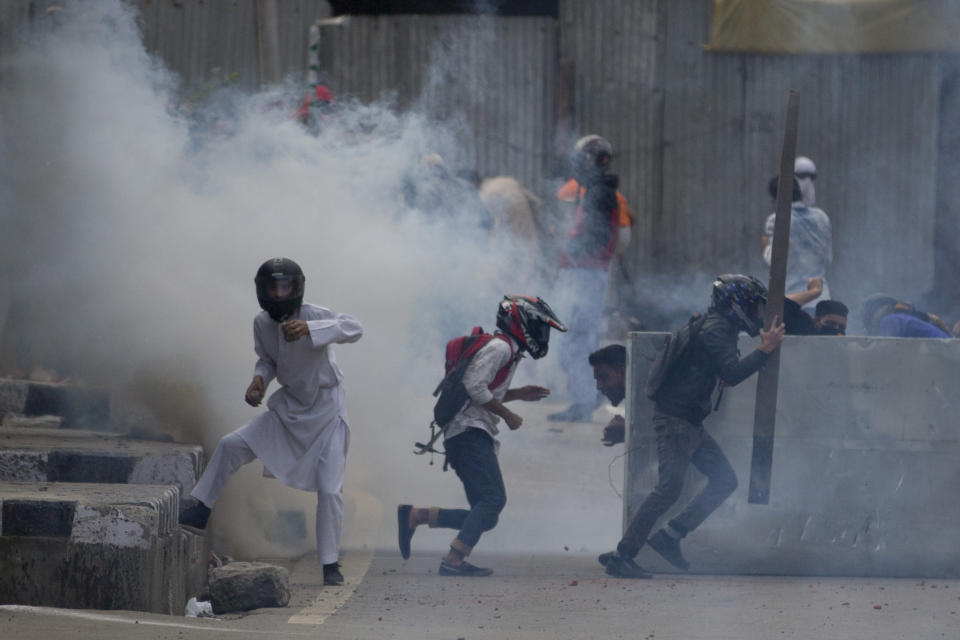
{"x": 214, "y": 624}
{"x": 362, "y": 534}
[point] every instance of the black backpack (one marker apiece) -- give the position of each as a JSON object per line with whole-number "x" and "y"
{"x": 671, "y": 353}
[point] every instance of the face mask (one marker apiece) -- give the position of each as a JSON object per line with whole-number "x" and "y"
{"x": 808, "y": 192}
{"x": 829, "y": 330}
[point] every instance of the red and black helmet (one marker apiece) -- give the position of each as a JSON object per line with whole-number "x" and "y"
{"x": 528, "y": 320}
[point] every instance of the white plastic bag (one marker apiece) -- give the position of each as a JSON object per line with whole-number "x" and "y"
{"x": 196, "y": 609}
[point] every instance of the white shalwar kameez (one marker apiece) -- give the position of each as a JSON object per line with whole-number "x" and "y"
{"x": 302, "y": 439}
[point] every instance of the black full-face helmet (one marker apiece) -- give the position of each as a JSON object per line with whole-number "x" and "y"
{"x": 279, "y": 287}
{"x": 742, "y": 299}
{"x": 529, "y": 321}
{"x": 591, "y": 156}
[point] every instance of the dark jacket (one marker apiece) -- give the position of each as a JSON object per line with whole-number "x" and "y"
{"x": 712, "y": 354}
{"x": 593, "y": 238}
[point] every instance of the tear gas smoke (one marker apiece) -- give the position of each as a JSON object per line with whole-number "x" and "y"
{"x": 134, "y": 224}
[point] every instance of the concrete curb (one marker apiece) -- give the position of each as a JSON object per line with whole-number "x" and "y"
{"x": 92, "y": 546}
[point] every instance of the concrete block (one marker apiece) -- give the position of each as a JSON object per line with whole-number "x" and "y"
{"x": 13, "y": 420}
{"x": 81, "y": 407}
{"x": 94, "y": 546}
{"x": 241, "y": 586}
{"x": 865, "y": 468}
{"x": 56, "y": 455}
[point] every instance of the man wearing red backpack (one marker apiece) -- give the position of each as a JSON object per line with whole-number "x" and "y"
{"x": 469, "y": 437}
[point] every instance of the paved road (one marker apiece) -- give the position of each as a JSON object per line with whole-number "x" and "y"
{"x": 546, "y": 597}
{"x": 562, "y": 511}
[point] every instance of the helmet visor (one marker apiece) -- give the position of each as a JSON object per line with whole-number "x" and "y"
{"x": 279, "y": 287}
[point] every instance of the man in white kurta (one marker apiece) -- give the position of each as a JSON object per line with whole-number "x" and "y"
{"x": 302, "y": 439}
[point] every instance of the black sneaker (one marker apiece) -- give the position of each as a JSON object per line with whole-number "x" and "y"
{"x": 195, "y": 515}
{"x": 604, "y": 558}
{"x": 620, "y": 566}
{"x": 573, "y": 413}
{"x": 332, "y": 575}
{"x": 464, "y": 569}
{"x": 404, "y": 532}
{"x": 668, "y": 547}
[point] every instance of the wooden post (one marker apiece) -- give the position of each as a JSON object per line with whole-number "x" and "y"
{"x": 765, "y": 411}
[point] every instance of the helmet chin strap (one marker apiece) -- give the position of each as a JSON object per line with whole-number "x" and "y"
{"x": 750, "y": 325}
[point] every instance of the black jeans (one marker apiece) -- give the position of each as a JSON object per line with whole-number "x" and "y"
{"x": 680, "y": 443}
{"x": 472, "y": 456}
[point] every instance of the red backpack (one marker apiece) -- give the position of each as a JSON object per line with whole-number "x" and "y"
{"x": 460, "y": 351}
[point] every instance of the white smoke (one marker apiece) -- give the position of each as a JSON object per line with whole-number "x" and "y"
{"x": 134, "y": 224}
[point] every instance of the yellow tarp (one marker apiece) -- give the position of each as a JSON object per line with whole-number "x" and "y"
{"x": 835, "y": 26}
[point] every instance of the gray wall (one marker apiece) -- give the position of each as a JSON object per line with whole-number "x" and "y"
{"x": 217, "y": 41}
{"x": 491, "y": 79}
{"x": 866, "y": 462}
{"x": 697, "y": 133}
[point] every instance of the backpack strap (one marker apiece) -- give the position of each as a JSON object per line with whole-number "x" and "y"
{"x": 515, "y": 354}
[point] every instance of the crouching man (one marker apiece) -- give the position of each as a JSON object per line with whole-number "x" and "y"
{"x": 681, "y": 404}
{"x": 303, "y": 437}
{"x": 469, "y": 438}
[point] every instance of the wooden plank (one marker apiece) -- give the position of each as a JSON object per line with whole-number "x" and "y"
{"x": 765, "y": 411}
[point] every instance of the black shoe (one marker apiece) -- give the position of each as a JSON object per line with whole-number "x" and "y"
{"x": 195, "y": 515}
{"x": 404, "y": 532}
{"x": 604, "y": 558}
{"x": 668, "y": 547}
{"x": 573, "y": 413}
{"x": 464, "y": 569}
{"x": 332, "y": 575}
{"x": 620, "y": 566}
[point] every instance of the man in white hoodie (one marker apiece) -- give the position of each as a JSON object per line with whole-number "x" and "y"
{"x": 302, "y": 438}
{"x": 811, "y": 243}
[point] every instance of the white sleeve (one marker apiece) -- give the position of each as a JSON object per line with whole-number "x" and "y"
{"x": 768, "y": 231}
{"x": 829, "y": 232}
{"x": 265, "y": 367}
{"x": 338, "y": 328}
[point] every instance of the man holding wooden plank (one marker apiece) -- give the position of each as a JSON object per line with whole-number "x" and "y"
{"x": 688, "y": 369}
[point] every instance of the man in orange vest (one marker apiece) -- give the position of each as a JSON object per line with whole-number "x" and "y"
{"x": 601, "y": 215}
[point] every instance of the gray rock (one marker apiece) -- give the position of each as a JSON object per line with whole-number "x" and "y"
{"x": 241, "y": 586}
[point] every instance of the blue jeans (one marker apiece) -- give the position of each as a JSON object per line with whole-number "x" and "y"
{"x": 472, "y": 456}
{"x": 580, "y": 297}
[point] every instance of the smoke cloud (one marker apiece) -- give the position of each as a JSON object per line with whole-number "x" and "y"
{"x": 134, "y": 223}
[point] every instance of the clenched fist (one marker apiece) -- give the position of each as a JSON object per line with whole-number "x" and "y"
{"x": 255, "y": 392}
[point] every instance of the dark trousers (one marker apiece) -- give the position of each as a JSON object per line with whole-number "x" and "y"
{"x": 680, "y": 443}
{"x": 472, "y": 456}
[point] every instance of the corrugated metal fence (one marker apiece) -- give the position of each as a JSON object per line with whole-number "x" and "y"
{"x": 697, "y": 134}
{"x": 699, "y": 137}
{"x": 493, "y": 79}
{"x": 217, "y": 41}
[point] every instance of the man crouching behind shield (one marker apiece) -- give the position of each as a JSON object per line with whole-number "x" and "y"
{"x": 303, "y": 437}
